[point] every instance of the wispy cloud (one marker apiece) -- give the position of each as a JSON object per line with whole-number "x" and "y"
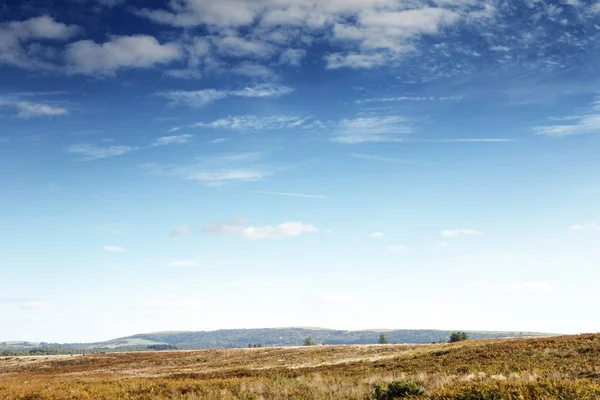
{"x": 372, "y": 129}
{"x": 217, "y": 170}
{"x": 240, "y": 227}
{"x": 114, "y": 249}
{"x": 376, "y": 235}
{"x": 175, "y": 139}
{"x": 586, "y": 122}
{"x": 309, "y": 196}
{"x": 451, "y": 233}
{"x": 26, "y": 109}
{"x": 89, "y": 151}
{"x": 201, "y": 98}
{"x": 408, "y": 98}
{"x": 255, "y": 123}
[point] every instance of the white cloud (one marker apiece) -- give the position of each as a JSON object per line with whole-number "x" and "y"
{"x": 217, "y": 170}
{"x": 180, "y": 231}
{"x": 377, "y": 235}
{"x": 239, "y": 227}
{"x": 530, "y": 287}
{"x": 590, "y": 226}
{"x": 175, "y": 139}
{"x": 279, "y": 231}
{"x": 255, "y": 123}
{"x": 200, "y": 98}
{"x": 181, "y": 264}
{"x": 187, "y": 13}
{"x": 371, "y": 129}
{"x": 92, "y": 152}
{"x": 355, "y": 60}
{"x": 578, "y": 124}
{"x": 22, "y": 43}
{"x": 379, "y": 30}
{"x": 309, "y": 196}
{"x": 450, "y": 233}
{"x": 138, "y": 51}
{"x": 114, "y": 249}
{"x": 197, "y": 98}
{"x": 398, "y": 248}
{"x": 292, "y": 57}
{"x": 263, "y": 90}
{"x": 27, "y": 109}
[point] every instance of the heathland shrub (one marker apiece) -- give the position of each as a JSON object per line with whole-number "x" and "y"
{"x": 398, "y": 390}
{"x": 458, "y": 336}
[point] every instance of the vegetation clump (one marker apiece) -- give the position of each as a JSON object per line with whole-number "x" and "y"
{"x": 398, "y": 390}
{"x": 458, "y": 336}
{"x": 309, "y": 341}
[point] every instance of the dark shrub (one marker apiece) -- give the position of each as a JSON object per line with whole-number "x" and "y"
{"x": 398, "y": 390}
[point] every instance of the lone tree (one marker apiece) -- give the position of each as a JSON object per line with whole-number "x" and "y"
{"x": 458, "y": 336}
{"x": 309, "y": 341}
{"x": 382, "y": 339}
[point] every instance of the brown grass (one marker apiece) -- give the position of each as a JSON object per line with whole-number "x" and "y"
{"x": 547, "y": 368}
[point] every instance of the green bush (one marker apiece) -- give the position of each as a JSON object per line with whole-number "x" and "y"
{"x": 398, "y": 390}
{"x": 458, "y": 337}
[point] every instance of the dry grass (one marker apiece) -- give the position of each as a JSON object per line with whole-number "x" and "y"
{"x": 548, "y": 368}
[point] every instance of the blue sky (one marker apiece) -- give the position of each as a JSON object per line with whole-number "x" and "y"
{"x": 352, "y": 164}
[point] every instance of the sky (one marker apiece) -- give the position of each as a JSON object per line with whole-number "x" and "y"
{"x": 349, "y": 164}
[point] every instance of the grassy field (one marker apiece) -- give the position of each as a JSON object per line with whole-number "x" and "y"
{"x": 565, "y": 367}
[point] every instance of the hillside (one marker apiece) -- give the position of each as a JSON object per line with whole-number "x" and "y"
{"x": 565, "y": 368}
{"x": 235, "y": 338}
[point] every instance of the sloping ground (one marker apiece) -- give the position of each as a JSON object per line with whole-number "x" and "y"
{"x": 231, "y": 338}
{"x": 547, "y": 368}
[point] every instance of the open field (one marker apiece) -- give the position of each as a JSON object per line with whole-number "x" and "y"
{"x": 565, "y": 367}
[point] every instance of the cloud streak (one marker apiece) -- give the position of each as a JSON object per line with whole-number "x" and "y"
{"x": 89, "y": 152}
{"x": 240, "y": 227}
{"x": 217, "y": 170}
{"x": 372, "y": 129}
{"x": 201, "y": 98}
{"x": 26, "y": 109}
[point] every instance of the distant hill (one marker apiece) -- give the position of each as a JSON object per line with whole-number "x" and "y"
{"x": 231, "y": 338}
{"x": 296, "y": 336}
